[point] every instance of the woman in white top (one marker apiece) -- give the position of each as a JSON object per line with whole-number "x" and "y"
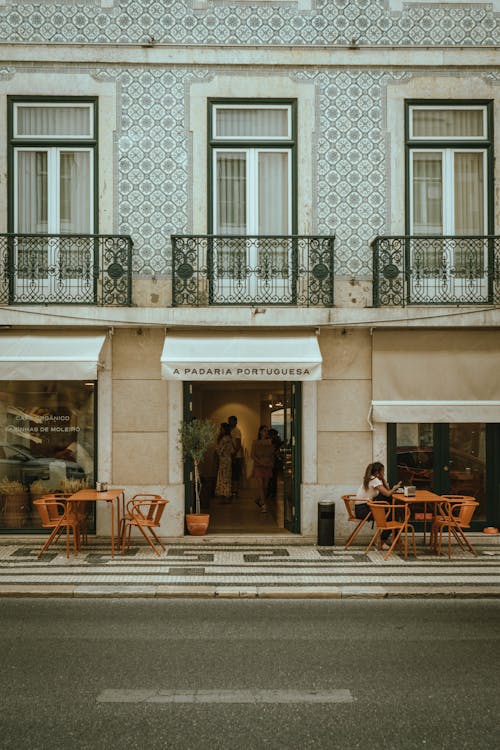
{"x": 376, "y": 489}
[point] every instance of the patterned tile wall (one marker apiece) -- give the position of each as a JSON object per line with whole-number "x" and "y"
{"x": 240, "y": 22}
{"x": 154, "y": 169}
{"x": 154, "y": 163}
{"x": 351, "y": 196}
{"x": 153, "y": 156}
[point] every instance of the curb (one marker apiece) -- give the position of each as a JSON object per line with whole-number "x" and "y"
{"x": 258, "y": 592}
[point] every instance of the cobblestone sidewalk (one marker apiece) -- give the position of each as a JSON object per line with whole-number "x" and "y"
{"x": 246, "y": 570}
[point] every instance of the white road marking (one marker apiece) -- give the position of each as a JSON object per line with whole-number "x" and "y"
{"x": 253, "y": 696}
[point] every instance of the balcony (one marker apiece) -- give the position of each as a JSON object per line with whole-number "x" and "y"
{"x": 252, "y": 270}
{"x": 72, "y": 269}
{"x": 436, "y": 271}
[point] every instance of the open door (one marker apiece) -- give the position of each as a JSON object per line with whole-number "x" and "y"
{"x": 277, "y": 405}
{"x": 292, "y": 456}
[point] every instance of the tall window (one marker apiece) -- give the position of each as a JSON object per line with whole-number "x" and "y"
{"x": 448, "y": 169}
{"x": 51, "y": 192}
{"x": 252, "y": 146}
{"x": 53, "y": 162}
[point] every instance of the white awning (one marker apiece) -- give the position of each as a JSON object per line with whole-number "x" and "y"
{"x": 45, "y": 356}
{"x": 192, "y": 356}
{"x": 435, "y": 411}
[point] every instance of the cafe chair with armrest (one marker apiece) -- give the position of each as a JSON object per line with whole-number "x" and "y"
{"x": 79, "y": 510}
{"x": 144, "y": 515}
{"x": 454, "y": 514}
{"x": 384, "y": 515}
{"x": 55, "y": 514}
{"x": 126, "y": 516}
{"x": 349, "y": 501}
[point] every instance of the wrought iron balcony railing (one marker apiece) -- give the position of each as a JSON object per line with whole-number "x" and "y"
{"x": 434, "y": 270}
{"x": 73, "y": 269}
{"x": 252, "y": 270}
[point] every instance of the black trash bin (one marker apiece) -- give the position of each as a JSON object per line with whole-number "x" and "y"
{"x": 326, "y": 524}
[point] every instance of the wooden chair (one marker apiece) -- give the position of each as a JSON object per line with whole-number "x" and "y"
{"x": 384, "y": 515}
{"x": 145, "y": 515}
{"x": 56, "y": 515}
{"x": 349, "y": 501}
{"x": 454, "y": 514}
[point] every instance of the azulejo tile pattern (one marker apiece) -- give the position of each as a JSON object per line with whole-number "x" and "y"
{"x": 229, "y": 21}
{"x": 351, "y": 198}
{"x": 154, "y": 162}
{"x": 153, "y": 157}
{"x": 154, "y": 166}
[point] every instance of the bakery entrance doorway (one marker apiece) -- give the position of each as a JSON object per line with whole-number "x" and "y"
{"x": 234, "y": 503}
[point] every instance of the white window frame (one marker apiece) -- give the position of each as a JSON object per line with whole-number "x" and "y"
{"x": 448, "y": 186}
{"x": 252, "y": 185}
{"x": 53, "y": 184}
{"x": 454, "y": 138}
{"x": 251, "y": 107}
{"x": 47, "y": 105}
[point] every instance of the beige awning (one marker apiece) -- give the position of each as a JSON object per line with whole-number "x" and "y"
{"x": 46, "y": 356}
{"x": 436, "y": 376}
{"x": 192, "y": 356}
{"x": 435, "y": 411}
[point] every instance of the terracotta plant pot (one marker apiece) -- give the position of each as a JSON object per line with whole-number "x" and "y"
{"x": 197, "y": 523}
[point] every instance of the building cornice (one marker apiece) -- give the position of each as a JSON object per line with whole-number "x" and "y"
{"x": 247, "y": 318}
{"x": 263, "y": 56}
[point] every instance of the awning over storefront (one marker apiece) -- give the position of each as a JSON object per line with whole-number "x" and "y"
{"x": 436, "y": 376}
{"x": 46, "y": 356}
{"x": 435, "y": 411}
{"x": 193, "y": 356}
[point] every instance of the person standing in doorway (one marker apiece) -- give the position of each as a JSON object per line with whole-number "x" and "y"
{"x": 237, "y": 459}
{"x": 263, "y": 458}
{"x": 224, "y": 450}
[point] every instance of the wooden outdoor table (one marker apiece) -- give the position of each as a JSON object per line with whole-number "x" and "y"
{"x": 90, "y": 496}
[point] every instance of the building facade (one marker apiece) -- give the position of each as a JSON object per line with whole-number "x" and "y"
{"x": 284, "y": 210}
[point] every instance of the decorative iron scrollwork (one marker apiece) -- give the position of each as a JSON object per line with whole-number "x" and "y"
{"x": 252, "y": 270}
{"x": 65, "y": 269}
{"x": 445, "y": 270}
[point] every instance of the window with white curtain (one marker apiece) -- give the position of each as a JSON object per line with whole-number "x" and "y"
{"x": 252, "y": 183}
{"x": 53, "y": 180}
{"x": 449, "y": 148}
{"x": 53, "y": 145}
{"x": 448, "y": 170}
{"x": 252, "y": 186}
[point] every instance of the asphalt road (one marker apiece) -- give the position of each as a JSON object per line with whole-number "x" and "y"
{"x": 249, "y": 674}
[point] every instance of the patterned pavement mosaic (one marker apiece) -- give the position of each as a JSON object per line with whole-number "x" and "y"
{"x": 246, "y": 570}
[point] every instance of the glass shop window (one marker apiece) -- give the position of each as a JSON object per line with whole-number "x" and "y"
{"x": 47, "y": 437}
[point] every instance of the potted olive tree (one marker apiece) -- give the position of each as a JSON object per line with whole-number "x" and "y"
{"x": 195, "y": 438}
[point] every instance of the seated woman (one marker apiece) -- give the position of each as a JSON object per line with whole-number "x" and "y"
{"x": 375, "y": 489}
